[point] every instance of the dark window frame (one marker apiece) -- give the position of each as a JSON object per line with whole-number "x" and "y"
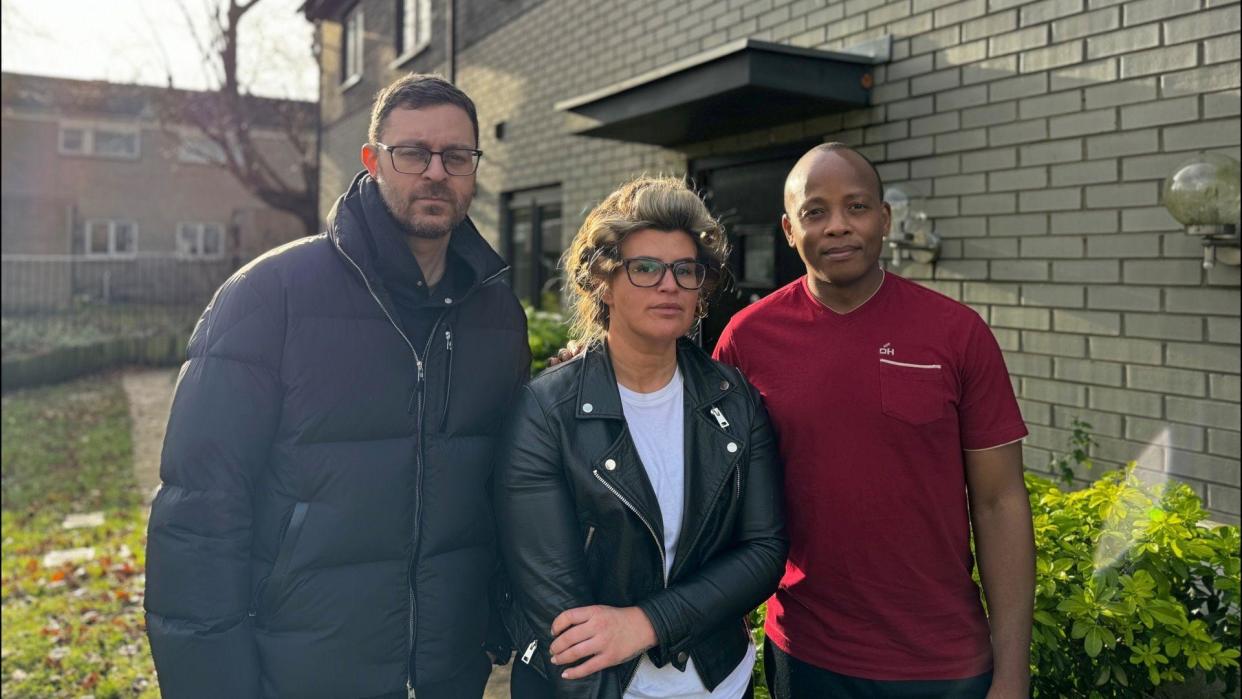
{"x": 539, "y": 202}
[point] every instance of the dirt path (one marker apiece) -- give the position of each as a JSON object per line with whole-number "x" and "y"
{"x": 150, "y": 396}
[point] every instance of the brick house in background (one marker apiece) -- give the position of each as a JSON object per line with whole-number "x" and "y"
{"x": 94, "y": 183}
{"x": 1036, "y": 136}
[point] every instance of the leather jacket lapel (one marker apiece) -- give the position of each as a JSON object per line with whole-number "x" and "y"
{"x": 714, "y": 443}
{"x": 618, "y": 466}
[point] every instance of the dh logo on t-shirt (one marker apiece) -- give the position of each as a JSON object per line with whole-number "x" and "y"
{"x": 887, "y": 350}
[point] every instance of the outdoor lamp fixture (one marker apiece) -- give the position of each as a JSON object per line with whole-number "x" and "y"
{"x": 910, "y": 234}
{"x": 1202, "y": 194}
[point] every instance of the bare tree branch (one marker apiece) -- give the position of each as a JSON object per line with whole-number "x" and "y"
{"x": 229, "y": 117}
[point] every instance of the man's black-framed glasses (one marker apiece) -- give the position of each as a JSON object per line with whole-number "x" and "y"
{"x": 414, "y": 160}
{"x": 648, "y": 271}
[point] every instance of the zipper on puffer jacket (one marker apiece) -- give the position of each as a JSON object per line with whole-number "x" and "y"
{"x": 419, "y": 390}
{"x": 418, "y": 455}
{"x": 418, "y": 507}
{"x": 448, "y": 379}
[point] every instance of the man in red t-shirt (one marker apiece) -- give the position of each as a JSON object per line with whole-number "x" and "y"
{"x": 900, "y": 432}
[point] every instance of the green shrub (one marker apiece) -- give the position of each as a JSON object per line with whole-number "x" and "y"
{"x": 1131, "y": 591}
{"x": 546, "y": 332}
{"x": 1079, "y": 454}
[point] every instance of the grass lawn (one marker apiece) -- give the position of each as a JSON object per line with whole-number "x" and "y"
{"x": 24, "y": 335}
{"x": 77, "y": 629}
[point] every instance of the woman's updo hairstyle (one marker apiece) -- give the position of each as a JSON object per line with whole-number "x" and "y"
{"x": 659, "y": 203}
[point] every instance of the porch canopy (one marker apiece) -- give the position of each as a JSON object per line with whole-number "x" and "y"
{"x": 742, "y": 86}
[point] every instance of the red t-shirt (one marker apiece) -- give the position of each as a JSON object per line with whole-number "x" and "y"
{"x": 872, "y": 410}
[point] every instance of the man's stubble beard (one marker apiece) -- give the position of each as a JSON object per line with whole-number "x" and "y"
{"x": 402, "y": 210}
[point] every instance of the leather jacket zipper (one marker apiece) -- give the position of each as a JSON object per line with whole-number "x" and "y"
{"x": 590, "y": 535}
{"x": 624, "y": 501}
{"x": 659, "y": 547}
{"x": 737, "y": 470}
{"x": 530, "y": 651}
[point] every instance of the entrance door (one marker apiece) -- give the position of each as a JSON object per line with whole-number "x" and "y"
{"x": 747, "y": 193}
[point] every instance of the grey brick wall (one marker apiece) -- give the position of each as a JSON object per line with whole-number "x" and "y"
{"x": 1037, "y": 133}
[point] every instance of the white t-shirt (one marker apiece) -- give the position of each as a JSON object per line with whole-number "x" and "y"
{"x": 656, "y": 423}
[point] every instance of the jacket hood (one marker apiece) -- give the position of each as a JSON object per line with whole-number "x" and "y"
{"x": 347, "y": 229}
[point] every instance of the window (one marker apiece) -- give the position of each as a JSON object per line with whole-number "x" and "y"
{"x": 116, "y": 144}
{"x": 200, "y": 240}
{"x": 352, "y": 45}
{"x": 413, "y": 27}
{"x": 199, "y": 150}
{"x": 531, "y": 234}
{"x": 100, "y": 141}
{"x": 72, "y": 140}
{"x": 108, "y": 238}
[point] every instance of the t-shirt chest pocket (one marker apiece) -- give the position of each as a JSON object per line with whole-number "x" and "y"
{"x": 913, "y": 393}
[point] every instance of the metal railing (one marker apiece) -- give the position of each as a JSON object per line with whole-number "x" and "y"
{"x": 53, "y": 301}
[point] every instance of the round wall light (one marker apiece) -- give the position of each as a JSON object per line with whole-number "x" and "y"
{"x": 1202, "y": 194}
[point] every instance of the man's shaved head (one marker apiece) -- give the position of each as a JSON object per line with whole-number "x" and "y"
{"x": 796, "y": 180}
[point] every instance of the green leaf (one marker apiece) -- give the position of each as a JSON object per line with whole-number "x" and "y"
{"x": 1122, "y": 678}
{"x": 1094, "y": 642}
{"x": 1073, "y": 606}
{"x": 1167, "y": 613}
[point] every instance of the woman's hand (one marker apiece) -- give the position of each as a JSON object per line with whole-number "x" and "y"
{"x": 569, "y": 351}
{"x": 607, "y": 635}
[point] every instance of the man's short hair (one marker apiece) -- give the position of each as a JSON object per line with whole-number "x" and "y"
{"x": 415, "y": 91}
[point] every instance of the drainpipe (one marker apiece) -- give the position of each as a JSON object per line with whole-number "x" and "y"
{"x": 317, "y": 50}
{"x": 450, "y": 41}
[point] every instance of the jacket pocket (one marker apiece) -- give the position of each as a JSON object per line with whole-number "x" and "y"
{"x": 448, "y": 377}
{"x": 590, "y": 537}
{"x": 913, "y": 393}
{"x": 271, "y": 589}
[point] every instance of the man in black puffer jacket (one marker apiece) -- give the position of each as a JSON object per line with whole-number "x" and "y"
{"x": 324, "y": 527}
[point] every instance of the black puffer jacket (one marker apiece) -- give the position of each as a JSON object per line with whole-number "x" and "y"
{"x": 324, "y": 528}
{"x": 581, "y": 525}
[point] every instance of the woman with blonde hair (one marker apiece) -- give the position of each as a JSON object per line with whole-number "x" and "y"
{"x": 638, "y": 488}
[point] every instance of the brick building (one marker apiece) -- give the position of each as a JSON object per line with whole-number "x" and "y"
{"x": 1035, "y": 135}
{"x": 95, "y": 183}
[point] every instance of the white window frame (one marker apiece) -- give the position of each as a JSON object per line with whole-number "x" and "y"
{"x": 200, "y": 232}
{"x": 121, "y": 130}
{"x": 353, "y": 41}
{"x": 89, "y": 130}
{"x": 415, "y": 30}
{"x": 112, "y": 226}
{"x": 197, "y": 149}
{"x": 86, "y": 139}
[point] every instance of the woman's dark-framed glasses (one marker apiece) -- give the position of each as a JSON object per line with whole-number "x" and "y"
{"x": 648, "y": 272}
{"x": 414, "y": 160}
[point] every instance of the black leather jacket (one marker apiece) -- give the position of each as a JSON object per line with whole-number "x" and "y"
{"x": 580, "y": 524}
